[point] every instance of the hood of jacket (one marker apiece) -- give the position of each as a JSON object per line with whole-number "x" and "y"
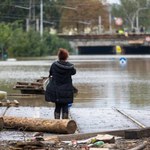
{"x": 63, "y": 66}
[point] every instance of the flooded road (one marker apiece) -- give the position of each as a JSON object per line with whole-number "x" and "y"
{"x": 102, "y": 81}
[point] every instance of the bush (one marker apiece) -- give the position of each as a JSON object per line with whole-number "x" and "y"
{"x": 30, "y": 44}
{"x": 54, "y": 43}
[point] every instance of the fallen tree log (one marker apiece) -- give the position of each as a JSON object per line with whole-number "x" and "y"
{"x": 63, "y": 126}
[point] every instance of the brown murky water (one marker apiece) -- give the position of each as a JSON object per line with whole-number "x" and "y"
{"x": 103, "y": 81}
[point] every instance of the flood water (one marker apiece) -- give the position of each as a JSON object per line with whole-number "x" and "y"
{"x": 102, "y": 81}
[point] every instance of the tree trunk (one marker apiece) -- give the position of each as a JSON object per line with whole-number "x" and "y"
{"x": 63, "y": 126}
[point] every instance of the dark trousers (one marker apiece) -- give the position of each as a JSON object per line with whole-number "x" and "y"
{"x": 61, "y": 107}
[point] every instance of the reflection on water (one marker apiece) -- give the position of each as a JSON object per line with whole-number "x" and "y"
{"x": 102, "y": 81}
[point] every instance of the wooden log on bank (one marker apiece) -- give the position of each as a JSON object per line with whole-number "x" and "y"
{"x": 62, "y": 126}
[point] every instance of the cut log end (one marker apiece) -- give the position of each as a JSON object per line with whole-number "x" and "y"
{"x": 71, "y": 127}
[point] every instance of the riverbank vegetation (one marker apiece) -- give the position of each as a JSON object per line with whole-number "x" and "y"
{"x": 15, "y": 42}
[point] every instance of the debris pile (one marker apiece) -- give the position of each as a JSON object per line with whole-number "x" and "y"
{"x": 99, "y": 142}
{"x": 105, "y": 142}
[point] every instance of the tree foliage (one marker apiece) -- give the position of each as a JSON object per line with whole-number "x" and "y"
{"x": 12, "y": 32}
{"x": 5, "y": 33}
{"x": 19, "y": 43}
{"x": 10, "y": 13}
{"x": 84, "y": 15}
{"x": 52, "y": 12}
{"x": 79, "y": 14}
{"x": 128, "y": 9}
{"x": 12, "y": 10}
{"x": 24, "y": 43}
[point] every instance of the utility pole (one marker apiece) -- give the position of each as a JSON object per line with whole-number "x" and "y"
{"x": 41, "y": 18}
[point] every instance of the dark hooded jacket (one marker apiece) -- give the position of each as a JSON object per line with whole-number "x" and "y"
{"x": 60, "y": 88}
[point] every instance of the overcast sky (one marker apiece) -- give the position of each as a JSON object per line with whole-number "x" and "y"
{"x": 113, "y": 1}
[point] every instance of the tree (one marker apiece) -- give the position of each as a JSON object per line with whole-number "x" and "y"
{"x": 129, "y": 9}
{"x": 52, "y": 12}
{"x": 10, "y": 13}
{"x": 83, "y": 14}
{"x": 53, "y": 43}
{"x": 12, "y": 10}
{"x": 5, "y": 33}
{"x": 29, "y": 44}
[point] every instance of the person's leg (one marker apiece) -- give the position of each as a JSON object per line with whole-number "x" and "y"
{"x": 57, "y": 111}
{"x": 65, "y": 111}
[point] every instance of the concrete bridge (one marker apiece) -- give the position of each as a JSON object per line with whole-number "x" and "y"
{"x": 106, "y": 43}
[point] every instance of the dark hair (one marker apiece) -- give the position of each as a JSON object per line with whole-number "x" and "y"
{"x": 63, "y": 54}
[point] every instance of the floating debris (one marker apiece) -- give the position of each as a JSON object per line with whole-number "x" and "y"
{"x": 31, "y": 87}
{"x": 9, "y": 103}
